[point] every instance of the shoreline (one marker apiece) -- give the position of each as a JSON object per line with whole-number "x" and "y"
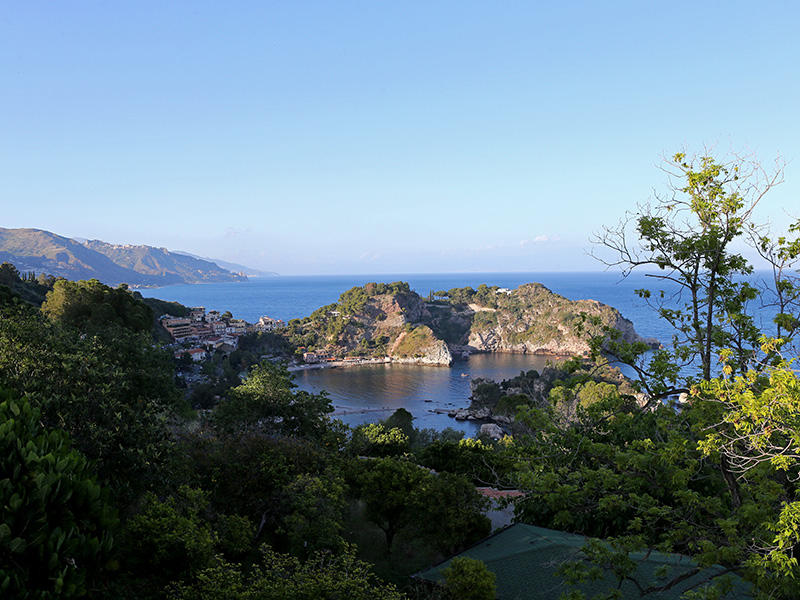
{"x": 388, "y": 360}
{"x": 338, "y": 364}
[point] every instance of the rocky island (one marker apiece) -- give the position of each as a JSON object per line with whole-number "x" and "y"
{"x": 390, "y": 322}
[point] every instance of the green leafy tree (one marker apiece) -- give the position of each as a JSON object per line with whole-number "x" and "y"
{"x": 401, "y": 496}
{"x": 386, "y": 486}
{"x": 757, "y": 431}
{"x": 376, "y": 439}
{"x": 92, "y": 305}
{"x": 482, "y": 463}
{"x": 469, "y": 579}
{"x": 315, "y": 514}
{"x": 402, "y": 420}
{"x": 267, "y": 399}
{"x": 450, "y": 513}
{"x": 111, "y": 390}
{"x": 248, "y": 474}
{"x": 56, "y": 530}
{"x": 9, "y": 275}
{"x": 689, "y": 239}
{"x": 708, "y": 478}
{"x": 169, "y": 540}
{"x": 282, "y": 577}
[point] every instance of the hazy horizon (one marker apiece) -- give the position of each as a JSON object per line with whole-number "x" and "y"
{"x": 308, "y": 138}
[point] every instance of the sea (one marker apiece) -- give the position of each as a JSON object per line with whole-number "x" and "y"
{"x": 365, "y": 394}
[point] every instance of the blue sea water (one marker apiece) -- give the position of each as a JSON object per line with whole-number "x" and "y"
{"x": 370, "y": 393}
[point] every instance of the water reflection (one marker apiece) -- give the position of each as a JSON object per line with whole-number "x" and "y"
{"x": 365, "y": 394}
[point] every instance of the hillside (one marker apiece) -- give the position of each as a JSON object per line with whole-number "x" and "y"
{"x": 161, "y": 264}
{"x": 45, "y": 252}
{"x": 389, "y": 320}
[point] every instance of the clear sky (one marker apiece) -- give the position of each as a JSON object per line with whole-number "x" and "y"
{"x": 331, "y": 136}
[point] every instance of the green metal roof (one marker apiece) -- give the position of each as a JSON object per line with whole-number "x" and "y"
{"x": 524, "y": 560}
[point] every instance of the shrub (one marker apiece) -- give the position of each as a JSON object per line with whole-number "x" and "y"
{"x": 57, "y": 524}
{"x": 469, "y": 579}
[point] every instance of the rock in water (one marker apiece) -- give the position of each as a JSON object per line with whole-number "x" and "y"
{"x": 492, "y": 430}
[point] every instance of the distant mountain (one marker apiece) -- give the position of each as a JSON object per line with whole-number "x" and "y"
{"x": 162, "y": 266}
{"x": 45, "y": 252}
{"x": 232, "y": 267}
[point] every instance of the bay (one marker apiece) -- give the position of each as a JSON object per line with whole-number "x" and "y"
{"x": 366, "y": 394}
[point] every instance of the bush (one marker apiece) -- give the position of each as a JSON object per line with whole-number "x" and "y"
{"x": 56, "y": 531}
{"x": 469, "y": 579}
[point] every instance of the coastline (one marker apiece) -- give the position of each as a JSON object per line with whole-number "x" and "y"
{"x": 338, "y": 364}
{"x": 388, "y": 360}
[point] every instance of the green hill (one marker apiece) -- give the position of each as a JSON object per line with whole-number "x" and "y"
{"x": 390, "y": 320}
{"x": 45, "y": 252}
{"x": 161, "y": 264}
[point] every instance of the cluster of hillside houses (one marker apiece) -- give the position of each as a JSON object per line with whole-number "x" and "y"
{"x": 209, "y": 331}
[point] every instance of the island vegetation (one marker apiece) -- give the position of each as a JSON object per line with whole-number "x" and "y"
{"x": 392, "y": 322}
{"x": 113, "y": 487}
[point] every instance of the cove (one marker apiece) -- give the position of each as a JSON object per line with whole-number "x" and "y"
{"x": 370, "y": 393}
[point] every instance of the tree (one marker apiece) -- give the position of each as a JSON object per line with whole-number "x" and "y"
{"x": 267, "y": 400}
{"x": 92, "y": 305}
{"x": 689, "y": 238}
{"x": 445, "y": 510}
{"x": 377, "y": 439}
{"x": 715, "y": 478}
{"x": 9, "y": 275}
{"x": 111, "y": 390}
{"x": 387, "y": 487}
{"x": 482, "y": 463}
{"x": 757, "y": 431}
{"x": 282, "y": 577}
{"x": 450, "y": 513}
{"x": 168, "y": 540}
{"x": 57, "y": 525}
{"x": 402, "y": 420}
{"x": 469, "y": 579}
{"x": 315, "y": 513}
{"x": 248, "y": 474}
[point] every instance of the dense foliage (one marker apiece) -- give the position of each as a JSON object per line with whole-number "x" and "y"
{"x": 90, "y": 305}
{"x": 110, "y": 389}
{"x": 57, "y": 524}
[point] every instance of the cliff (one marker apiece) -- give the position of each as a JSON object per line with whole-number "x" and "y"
{"x": 534, "y": 320}
{"x": 390, "y": 320}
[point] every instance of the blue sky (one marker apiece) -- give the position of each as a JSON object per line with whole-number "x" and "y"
{"x": 380, "y": 137}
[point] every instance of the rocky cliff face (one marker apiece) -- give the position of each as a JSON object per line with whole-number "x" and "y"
{"x": 435, "y": 353}
{"x": 390, "y": 320}
{"x": 533, "y": 320}
{"x": 396, "y": 322}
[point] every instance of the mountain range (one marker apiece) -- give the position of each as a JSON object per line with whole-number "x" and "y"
{"x": 137, "y": 265}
